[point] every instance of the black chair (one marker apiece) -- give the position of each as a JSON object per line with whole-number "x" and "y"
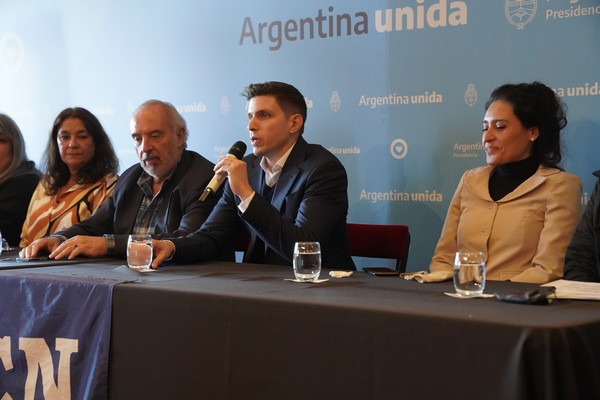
{"x": 241, "y": 240}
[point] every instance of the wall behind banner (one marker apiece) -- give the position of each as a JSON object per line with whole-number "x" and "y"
{"x": 394, "y": 88}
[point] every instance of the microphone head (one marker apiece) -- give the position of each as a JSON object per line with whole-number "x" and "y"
{"x": 238, "y": 149}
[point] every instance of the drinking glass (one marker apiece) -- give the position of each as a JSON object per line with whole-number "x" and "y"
{"x": 139, "y": 252}
{"x": 307, "y": 261}
{"x": 469, "y": 273}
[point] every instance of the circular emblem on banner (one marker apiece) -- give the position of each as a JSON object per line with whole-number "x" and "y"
{"x": 335, "y": 102}
{"x": 12, "y": 52}
{"x": 398, "y": 149}
{"x": 471, "y": 95}
{"x": 520, "y": 13}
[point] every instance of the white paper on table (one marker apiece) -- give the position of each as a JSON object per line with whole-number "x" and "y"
{"x": 575, "y": 290}
{"x": 340, "y": 274}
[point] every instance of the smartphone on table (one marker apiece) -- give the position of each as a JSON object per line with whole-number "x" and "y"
{"x": 381, "y": 271}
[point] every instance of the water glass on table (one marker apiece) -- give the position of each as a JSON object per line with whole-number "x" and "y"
{"x": 307, "y": 261}
{"x": 139, "y": 252}
{"x": 469, "y": 273}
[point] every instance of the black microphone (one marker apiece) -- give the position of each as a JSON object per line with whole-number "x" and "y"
{"x": 236, "y": 151}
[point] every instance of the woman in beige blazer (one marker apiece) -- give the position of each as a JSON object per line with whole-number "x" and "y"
{"x": 521, "y": 209}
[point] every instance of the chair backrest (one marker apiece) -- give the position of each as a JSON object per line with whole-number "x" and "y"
{"x": 380, "y": 241}
{"x": 241, "y": 240}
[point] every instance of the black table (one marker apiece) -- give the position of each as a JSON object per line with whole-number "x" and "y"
{"x": 239, "y": 331}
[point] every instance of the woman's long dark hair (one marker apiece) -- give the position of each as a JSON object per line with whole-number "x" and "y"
{"x": 105, "y": 161}
{"x": 536, "y": 105}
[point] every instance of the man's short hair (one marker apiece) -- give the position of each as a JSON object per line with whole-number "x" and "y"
{"x": 287, "y": 96}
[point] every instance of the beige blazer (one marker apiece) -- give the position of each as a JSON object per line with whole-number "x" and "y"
{"x": 524, "y": 235}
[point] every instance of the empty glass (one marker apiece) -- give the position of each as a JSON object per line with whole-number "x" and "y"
{"x": 139, "y": 252}
{"x": 307, "y": 261}
{"x": 469, "y": 273}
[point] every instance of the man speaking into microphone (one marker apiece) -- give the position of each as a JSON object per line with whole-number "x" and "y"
{"x": 286, "y": 191}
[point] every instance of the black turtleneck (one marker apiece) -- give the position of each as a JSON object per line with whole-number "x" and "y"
{"x": 506, "y": 178}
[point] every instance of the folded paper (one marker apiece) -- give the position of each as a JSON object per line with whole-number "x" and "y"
{"x": 426, "y": 277}
{"x": 340, "y": 274}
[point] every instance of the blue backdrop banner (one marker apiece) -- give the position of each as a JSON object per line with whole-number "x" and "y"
{"x": 395, "y": 88}
{"x": 54, "y": 337}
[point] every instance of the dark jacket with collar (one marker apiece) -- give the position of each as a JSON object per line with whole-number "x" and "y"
{"x": 582, "y": 261}
{"x": 15, "y": 193}
{"x": 180, "y": 212}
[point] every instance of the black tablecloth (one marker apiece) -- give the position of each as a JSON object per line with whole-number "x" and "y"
{"x": 240, "y": 331}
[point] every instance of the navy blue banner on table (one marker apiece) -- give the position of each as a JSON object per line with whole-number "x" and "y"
{"x": 54, "y": 337}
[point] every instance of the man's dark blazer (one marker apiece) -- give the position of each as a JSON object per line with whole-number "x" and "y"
{"x": 582, "y": 261}
{"x": 180, "y": 212}
{"x": 310, "y": 203}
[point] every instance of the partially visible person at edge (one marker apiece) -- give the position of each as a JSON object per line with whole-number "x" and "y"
{"x": 79, "y": 169}
{"x": 159, "y": 196}
{"x": 18, "y": 179}
{"x": 582, "y": 262}
{"x": 286, "y": 191}
{"x": 521, "y": 209}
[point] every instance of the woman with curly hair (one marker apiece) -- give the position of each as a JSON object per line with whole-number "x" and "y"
{"x": 521, "y": 209}
{"x": 79, "y": 172}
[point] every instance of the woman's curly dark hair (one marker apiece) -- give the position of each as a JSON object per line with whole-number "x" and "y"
{"x": 536, "y": 105}
{"x": 105, "y": 161}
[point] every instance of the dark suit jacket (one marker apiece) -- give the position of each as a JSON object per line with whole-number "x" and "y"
{"x": 310, "y": 203}
{"x": 582, "y": 261}
{"x": 180, "y": 212}
{"x": 15, "y": 193}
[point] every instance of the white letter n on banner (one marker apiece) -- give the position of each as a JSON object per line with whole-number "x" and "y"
{"x": 37, "y": 354}
{"x": 6, "y": 359}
